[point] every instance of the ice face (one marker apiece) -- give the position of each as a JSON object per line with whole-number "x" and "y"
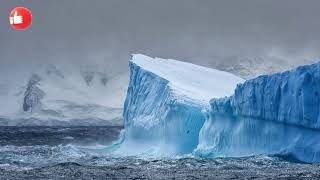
{"x": 276, "y": 114}
{"x": 165, "y": 99}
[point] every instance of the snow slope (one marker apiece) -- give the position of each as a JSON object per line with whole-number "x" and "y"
{"x": 275, "y": 114}
{"x": 62, "y": 95}
{"x": 164, "y": 101}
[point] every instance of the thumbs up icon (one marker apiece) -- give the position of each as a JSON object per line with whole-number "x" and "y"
{"x": 20, "y": 18}
{"x": 16, "y": 19}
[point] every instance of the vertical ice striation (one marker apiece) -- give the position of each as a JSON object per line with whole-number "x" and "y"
{"x": 165, "y": 99}
{"x": 291, "y": 97}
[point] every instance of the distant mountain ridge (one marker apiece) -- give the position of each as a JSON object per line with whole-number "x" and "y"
{"x": 251, "y": 67}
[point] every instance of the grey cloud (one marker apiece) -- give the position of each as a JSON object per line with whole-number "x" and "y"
{"x": 93, "y": 30}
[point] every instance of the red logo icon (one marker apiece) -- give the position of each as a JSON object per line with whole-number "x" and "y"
{"x": 20, "y": 18}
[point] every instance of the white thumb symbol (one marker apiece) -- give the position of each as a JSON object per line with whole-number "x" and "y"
{"x": 16, "y": 19}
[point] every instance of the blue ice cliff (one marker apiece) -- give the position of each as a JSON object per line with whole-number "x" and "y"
{"x": 177, "y": 108}
{"x": 276, "y": 114}
{"x": 164, "y": 104}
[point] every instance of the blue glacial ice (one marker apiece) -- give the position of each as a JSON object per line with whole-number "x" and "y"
{"x": 165, "y": 99}
{"x": 177, "y": 108}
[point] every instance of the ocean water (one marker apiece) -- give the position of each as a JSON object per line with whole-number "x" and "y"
{"x": 82, "y": 153}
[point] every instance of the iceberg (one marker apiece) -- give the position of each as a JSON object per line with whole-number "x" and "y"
{"x": 176, "y": 108}
{"x": 164, "y": 103}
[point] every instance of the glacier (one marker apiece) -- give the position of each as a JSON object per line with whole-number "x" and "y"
{"x": 164, "y": 104}
{"x": 176, "y": 108}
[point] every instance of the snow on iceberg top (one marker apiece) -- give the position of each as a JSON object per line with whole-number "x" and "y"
{"x": 189, "y": 80}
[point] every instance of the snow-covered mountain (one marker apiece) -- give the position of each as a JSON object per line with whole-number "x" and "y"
{"x": 62, "y": 95}
{"x": 177, "y": 108}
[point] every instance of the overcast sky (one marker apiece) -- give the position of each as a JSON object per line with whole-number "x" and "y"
{"x": 194, "y": 30}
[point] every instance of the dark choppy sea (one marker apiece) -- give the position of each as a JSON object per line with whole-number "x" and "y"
{"x": 77, "y": 153}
